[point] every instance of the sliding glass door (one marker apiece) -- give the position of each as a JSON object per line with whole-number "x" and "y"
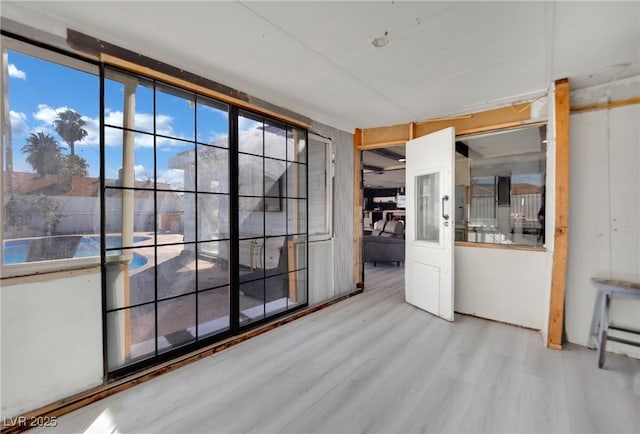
{"x": 178, "y": 228}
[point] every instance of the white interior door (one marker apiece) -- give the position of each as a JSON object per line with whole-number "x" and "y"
{"x": 430, "y": 223}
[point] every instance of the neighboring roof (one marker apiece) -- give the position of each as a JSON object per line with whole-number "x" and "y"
{"x": 25, "y": 183}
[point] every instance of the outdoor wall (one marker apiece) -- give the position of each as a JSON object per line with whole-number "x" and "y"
{"x": 51, "y": 338}
{"x": 502, "y": 284}
{"x": 340, "y": 264}
{"x": 604, "y": 213}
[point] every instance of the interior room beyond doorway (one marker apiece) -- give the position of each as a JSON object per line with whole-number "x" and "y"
{"x": 500, "y": 182}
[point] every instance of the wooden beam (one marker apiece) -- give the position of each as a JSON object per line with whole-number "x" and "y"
{"x": 358, "y": 231}
{"x": 505, "y": 117}
{"x": 561, "y": 233}
{"x": 184, "y": 84}
{"x": 394, "y": 134}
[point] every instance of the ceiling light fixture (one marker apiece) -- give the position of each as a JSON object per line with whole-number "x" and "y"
{"x": 402, "y": 160}
{"x": 381, "y": 41}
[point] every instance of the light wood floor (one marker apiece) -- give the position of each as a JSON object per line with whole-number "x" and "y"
{"x": 375, "y": 364}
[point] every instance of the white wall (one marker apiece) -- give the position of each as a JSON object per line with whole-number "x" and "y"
{"x": 321, "y": 271}
{"x": 502, "y": 284}
{"x": 51, "y": 338}
{"x": 604, "y": 214}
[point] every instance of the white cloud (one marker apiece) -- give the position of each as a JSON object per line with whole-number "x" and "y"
{"x": 141, "y": 173}
{"x": 173, "y": 177}
{"x": 18, "y": 123}
{"x": 143, "y": 122}
{"x": 246, "y": 124}
{"x": 16, "y": 73}
{"x": 47, "y": 114}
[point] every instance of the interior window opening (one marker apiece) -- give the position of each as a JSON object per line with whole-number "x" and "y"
{"x": 500, "y": 188}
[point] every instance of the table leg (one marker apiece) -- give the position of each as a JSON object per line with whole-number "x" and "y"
{"x": 604, "y": 325}
{"x": 595, "y": 321}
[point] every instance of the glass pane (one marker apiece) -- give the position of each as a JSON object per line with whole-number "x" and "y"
{"x": 251, "y": 258}
{"x": 297, "y": 252}
{"x": 213, "y": 311}
{"x": 298, "y": 288}
{"x": 274, "y": 177}
{"x": 115, "y": 103}
{"x": 250, "y": 182}
{"x": 297, "y": 216}
{"x": 318, "y": 215}
{"x": 251, "y": 217}
{"x": 213, "y": 217}
{"x": 175, "y": 217}
{"x": 175, "y": 113}
{"x": 130, "y": 335}
{"x": 142, "y": 164}
{"x": 507, "y": 193}
{"x": 276, "y": 293}
{"x": 428, "y": 207}
{"x": 130, "y": 277}
{"x": 276, "y": 255}
{"x": 176, "y": 322}
{"x": 275, "y": 141}
{"x": 251, "y": 301}
{"x": 296, "y": 180}
{"x": 113, "y": 155}
{"x": 296, "y": 145}
{"x": 213, "y": 169}
{"x": 114, "y": 98}
{"x": 143, "y": 218}
{"x": 176, "y": 270}
{"x": 213, "y": 269}
{"x": 250, "y": 134}
{"x": 213, "y": 122}
{"x": 175, "y": 163}
{"x": 275, "y": 221}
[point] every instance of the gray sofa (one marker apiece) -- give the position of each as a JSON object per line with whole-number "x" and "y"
{"x": 386, "y": 243}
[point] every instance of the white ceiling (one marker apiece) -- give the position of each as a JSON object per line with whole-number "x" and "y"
{"x": 316, "y": 58}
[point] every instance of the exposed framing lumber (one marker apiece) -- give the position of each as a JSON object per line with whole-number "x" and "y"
{"x": 358, "y": 265}
{"x": 561, "y": 233}
{"x": 23, "y": 422}
{"x": 184, "y": 84}
{"x": 489, "y": 120}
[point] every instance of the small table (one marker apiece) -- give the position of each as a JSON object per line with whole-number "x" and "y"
{"x": 608, "y": 289}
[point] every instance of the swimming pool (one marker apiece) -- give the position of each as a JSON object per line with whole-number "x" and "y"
{"x": 16, "y": 251}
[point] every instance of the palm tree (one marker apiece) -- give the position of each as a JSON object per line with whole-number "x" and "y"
{"x": 75, "y": 165}
{"x": 69, "y": 125}
{"x": 44, "y": 153}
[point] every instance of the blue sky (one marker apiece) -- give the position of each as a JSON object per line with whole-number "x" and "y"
{"x": 38, "y": 90}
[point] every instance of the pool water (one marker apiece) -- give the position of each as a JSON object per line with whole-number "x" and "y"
{"x": 16, "y": 251}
